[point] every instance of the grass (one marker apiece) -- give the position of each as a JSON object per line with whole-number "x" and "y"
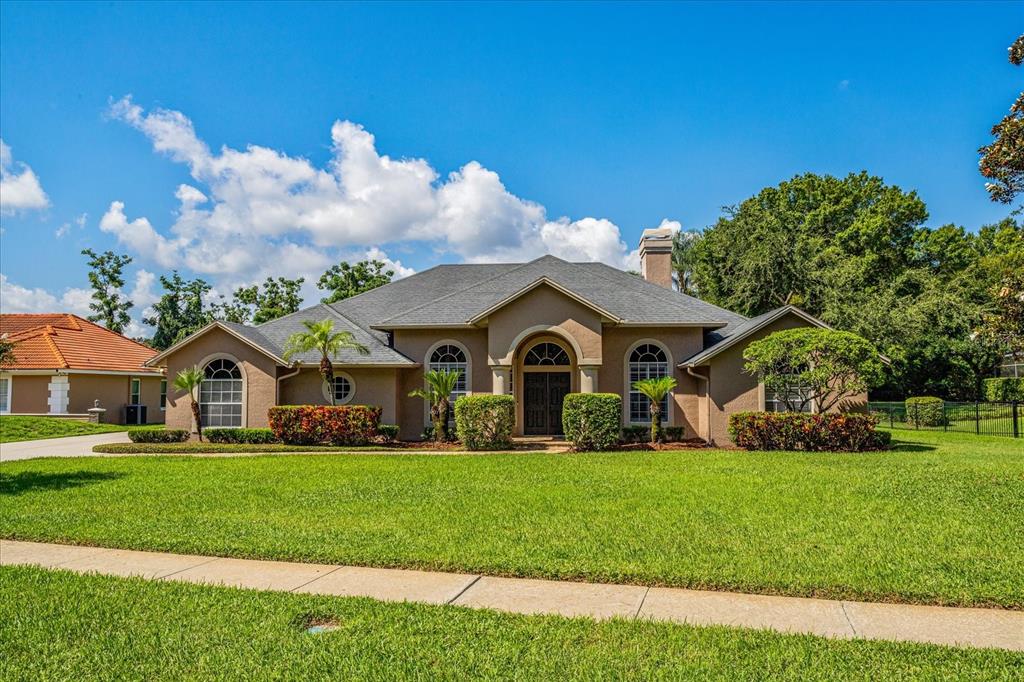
{"x": 205, "y": 447}
{"x": 59, "y": 625}
{"x": 14, "y": 428}
{"x": 937, "y": 520}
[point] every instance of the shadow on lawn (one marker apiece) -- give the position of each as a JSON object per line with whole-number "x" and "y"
{"x": 31, "y": 481}
{"x": 911, "y": 446}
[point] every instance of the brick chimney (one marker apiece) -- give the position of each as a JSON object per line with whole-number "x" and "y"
{"x": 656, "y": 256}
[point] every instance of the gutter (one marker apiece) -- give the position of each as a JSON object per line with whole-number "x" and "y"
{"x": 707, "y": 400}
{"x": 277, "y": 384}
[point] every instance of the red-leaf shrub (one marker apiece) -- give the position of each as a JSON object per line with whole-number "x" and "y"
{"x": 324, "y": 424}
{"x": 830, "y": 432}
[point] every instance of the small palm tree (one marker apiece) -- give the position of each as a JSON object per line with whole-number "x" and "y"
{"x": 437, "y": 393}
{"x": 320, "y": 336}
{"x": 655, "y": 390}
{"x": 189, "y": 380}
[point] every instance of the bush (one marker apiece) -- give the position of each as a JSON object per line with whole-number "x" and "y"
{"x": 925, "y": 411}
{"x": 831, "y": 432}
{"x": 428, "y": 432}
{"x": 158, "y": 435}
{"x": 388, "y": 432}
{"x": 484, "y": 422}
{"x": 246, "y": 436}
{"x": 324, "y": 424}
{"x": 635, "y": 434}
{"x": 592, "y": 421}
{"x": 1004, "y": 389}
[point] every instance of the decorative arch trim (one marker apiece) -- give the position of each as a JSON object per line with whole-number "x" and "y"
{"x": 554, "y": 330}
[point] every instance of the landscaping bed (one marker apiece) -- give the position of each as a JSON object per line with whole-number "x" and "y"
{"x": 937, "y": 520}
{"x": 59, "y": 625}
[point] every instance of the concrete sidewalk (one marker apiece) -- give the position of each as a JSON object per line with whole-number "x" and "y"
{"x": 71, "y": 446}
{"x": 990, "y": 628}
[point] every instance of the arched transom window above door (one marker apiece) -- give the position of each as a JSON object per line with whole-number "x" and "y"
{"x": 220, "y": 394}
{"x": 546, "y": 354}
{"x": 646, "y": 361}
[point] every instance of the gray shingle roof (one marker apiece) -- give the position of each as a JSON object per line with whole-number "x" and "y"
{"x": 455, "y": 294}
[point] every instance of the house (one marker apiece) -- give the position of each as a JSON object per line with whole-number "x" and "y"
{"x": 64, "y": 363}
{"x": 536, "y": 330}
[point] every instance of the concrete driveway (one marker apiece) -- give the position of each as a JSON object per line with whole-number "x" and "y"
{"x": 72, "y": 446}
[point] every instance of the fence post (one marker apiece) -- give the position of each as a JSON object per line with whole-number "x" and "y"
{"x": 945, "y": 421}
{"x": 891, "y": 410}
{"x": 977, "y": 417}
{"x": 1014, "y": 412}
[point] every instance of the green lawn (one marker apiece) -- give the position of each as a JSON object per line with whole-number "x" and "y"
{"x": 939, "y": 519}
{"x": 16, "y": 428}
{"x": 58, "y": 625}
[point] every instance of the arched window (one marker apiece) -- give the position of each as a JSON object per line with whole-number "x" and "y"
{"x": 546, "y": 354}
{"x": 220, "y": 394}
{"x": 343, "y": 388}
{"x": 647, "y": 361}
{"x": 450, "y": 357}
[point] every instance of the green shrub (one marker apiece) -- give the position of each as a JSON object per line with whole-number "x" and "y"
{"x": 246, "y": 436}
{"x": 925, "y": 411}
{"x": 388, "y": 432}
{"x": 674, "y": 434}
{"x": 324, "y": 424}
{"x": 1004, "y": 389}
{"x": 158, "y": 435}
{"x": 592, "y": 421}
{"x": 635, "y": 434}
{"x": 830, "y": 432}
{"x": 485, "y": 422}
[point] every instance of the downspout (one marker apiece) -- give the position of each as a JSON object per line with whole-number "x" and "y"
{"x": 277, "y": 386}
{"x": 707, "y": 401}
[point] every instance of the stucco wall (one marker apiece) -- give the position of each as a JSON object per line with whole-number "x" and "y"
{"x": 681, "y": 343}
{"x": 544, "y": 306}
{"x": 30, "y": 394}
{"x": 415, "y": 344}
{"x": 113, "y": 392}
{"x": 372, "y": 387}
{"x": 259, "y": 371}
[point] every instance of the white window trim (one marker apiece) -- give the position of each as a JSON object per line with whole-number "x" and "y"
{"x": 763, "y": 395}
{"x": 326, "y": 390}
{"x": 469, "y": 372}
{"x": 164, "y": 387}
{"x": 245, "y": 387}
{"x": 627, "y": 385}
{"x": 10, "y": 391}
{"x": 132, "y": 381}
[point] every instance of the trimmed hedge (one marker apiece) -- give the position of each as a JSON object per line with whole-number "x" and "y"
{"x": 592, "y": 421}
{"x": 830, "y": 432}
{"x": 324, "y": 424}
{"x": 247, "y": 436}
{"x": 642, "y": 434}
{"x": 388, "y": 432}
{"x": 925, "y": 411}
{"x": 158, "y": 435}
{"x": 484, "y": 422}
{"x": 1004, "y": 389}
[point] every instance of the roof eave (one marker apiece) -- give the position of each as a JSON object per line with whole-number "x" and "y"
{"x": 215, "y": 325}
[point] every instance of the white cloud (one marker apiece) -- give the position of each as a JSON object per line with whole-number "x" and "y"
{"x": 19, "y": 187}
{"x": 19, "y": 299}
{"x": 396, "y": 265}
{"x": 65, "y": 228}
{"x": 258, "y": 211}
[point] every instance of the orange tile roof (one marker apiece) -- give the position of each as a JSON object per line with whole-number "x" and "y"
{"x": 65, "y": 341}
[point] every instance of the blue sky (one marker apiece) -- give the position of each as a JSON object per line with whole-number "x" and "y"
{"x": 570, "y": 127}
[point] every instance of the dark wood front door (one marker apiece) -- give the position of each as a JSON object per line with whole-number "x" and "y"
{"x": 543, "y": 393}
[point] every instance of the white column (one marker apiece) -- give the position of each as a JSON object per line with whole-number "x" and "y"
{"x": 501, "y": 379}
{"x": 588, "y": 378}
{"x": 60, "y": 388}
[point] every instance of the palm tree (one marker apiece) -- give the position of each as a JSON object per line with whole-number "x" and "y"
{"x": 189, "y": 380}
{"x": 684, "y": 259}
{"x": 320, "y": 336}
{"x": 655, "y": 390}
{"x": 437, "y": 393}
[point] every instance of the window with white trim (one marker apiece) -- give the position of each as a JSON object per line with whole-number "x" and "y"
{"x": 546, "y": 354}
{"x": 647, "y": 361}
{"x": 5, "y": 394}
{"x": 220, "y": 394}
{"x": 450, "y": 357}
{"x": 343, "y": 388}
{"x": 135, "y": 391}
{"x": 798, "y": 396}
{"x": 163, "y": 394}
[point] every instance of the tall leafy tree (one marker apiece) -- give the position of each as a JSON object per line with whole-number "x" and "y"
{"x": 1002, "y": 161}
{"x": 106, "y": 276}
{"x": 262, "y": 303}
{"x": 1004, "y": 323}
{"x": 321, "y": 337}
{"x": 182, "y": 309}
{"x": 6, "y": 351}
{"x": 343, "y": 280}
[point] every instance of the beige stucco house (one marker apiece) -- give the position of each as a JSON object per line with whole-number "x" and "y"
{"x": 536, "y": 330}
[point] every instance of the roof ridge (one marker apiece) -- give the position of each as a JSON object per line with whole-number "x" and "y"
{"x": 658, "y": 288}
{"x": 48, "y": 335}
{"x": 110, "y": 331}
{"x": 462, "y": 290}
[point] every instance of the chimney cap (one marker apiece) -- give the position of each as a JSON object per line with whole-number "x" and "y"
{"x": 655, "y": 237}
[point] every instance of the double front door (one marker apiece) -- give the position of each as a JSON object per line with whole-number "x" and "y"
{"x": 543, "y": 393}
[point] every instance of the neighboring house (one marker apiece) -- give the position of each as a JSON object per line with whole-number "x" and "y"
{"x": 536, "y": 330}
{"x": 64, "y": 363}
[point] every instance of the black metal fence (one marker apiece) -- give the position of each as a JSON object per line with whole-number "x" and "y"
{"x": 990, "y": 419}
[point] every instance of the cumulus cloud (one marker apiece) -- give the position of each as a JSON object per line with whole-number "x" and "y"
{"x": 19, "y": 299}
{"x": 258, "y": 211}
{"x": 19, "y": 187}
